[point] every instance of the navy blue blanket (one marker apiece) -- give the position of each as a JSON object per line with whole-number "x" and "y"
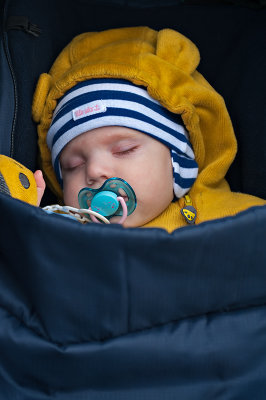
{"x": 103, "y": 312}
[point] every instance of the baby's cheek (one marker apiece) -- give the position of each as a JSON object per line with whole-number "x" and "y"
{"x": 70, "y": 195}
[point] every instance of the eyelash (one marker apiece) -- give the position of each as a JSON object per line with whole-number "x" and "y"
{"x": 126, "y": 152}
{"x": 71, "y": 168}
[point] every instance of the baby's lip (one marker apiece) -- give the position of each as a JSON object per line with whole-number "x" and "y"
{"x": 123, "y": 194}
{"x": 124, "y": 197}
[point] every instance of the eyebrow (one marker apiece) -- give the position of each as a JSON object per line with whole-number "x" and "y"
{"x": 115, "y": 136}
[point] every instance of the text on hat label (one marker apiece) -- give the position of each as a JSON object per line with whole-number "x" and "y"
{"x": 88, "y": 109}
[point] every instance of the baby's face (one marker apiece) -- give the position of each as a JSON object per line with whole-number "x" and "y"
{"x": 107, "y": 152}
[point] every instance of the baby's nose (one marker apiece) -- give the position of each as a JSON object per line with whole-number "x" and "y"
{"x": 98, "y": 171}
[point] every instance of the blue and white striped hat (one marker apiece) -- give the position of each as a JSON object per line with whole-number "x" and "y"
{"x": 116, "y": 102}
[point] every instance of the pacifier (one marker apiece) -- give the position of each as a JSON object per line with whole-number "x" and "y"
{"x": 114, "y": 197}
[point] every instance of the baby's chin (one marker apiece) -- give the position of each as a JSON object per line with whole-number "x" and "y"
{"x": 132, "y": 221}
{"x": 128, "y": 223}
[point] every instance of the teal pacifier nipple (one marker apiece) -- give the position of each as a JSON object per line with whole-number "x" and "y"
{"x": 105, "y": 200}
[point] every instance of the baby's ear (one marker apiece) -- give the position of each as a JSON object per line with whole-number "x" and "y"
{"x": 17, "y": 181}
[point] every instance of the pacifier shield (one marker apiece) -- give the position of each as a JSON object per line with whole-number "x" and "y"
{"x": 112, "y": 188}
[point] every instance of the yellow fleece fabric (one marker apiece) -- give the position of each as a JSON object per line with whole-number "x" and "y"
{"x": 17, "y": 181}
{"x": 165, "y": 63}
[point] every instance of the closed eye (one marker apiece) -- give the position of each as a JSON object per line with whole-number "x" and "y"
{"x": 71, "y": 166}
{"x": 127, "y": 151}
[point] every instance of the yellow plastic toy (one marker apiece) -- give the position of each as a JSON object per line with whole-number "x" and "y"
{"x": 17, "y": 181}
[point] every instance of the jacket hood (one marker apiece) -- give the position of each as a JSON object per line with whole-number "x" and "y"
{"x": 165, "y": 63}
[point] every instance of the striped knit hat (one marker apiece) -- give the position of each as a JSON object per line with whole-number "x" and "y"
{"x": 96, "y": 103}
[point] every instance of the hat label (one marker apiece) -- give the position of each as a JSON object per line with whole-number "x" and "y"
{"x": 94, "y": 107}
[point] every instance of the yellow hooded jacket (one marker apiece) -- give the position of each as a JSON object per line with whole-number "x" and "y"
{"x": 165, "y": 63}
